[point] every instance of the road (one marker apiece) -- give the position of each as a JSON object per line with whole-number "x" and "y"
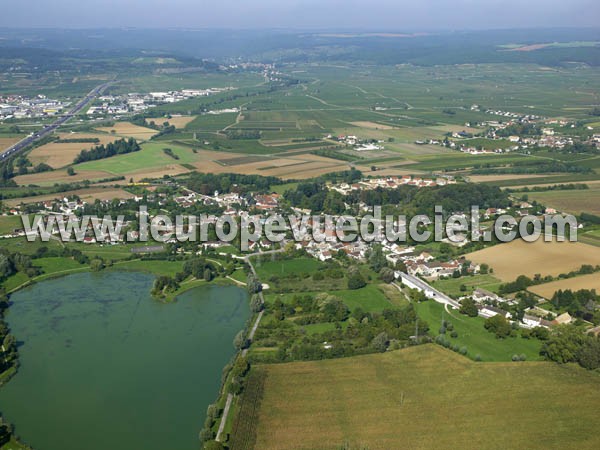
{"x": 49, "y": 129}
{"x": 430, "y": 292}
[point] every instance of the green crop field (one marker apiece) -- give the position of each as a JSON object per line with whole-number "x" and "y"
{"x": 421, "y": 397}
{"x": 151, "y": 156}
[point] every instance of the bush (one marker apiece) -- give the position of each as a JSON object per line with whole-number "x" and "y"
{"x": 454, "y": 334}
{"x": 356, "y": 281}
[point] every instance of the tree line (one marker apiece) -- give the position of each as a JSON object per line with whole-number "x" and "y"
{"x": 120, "y": 147}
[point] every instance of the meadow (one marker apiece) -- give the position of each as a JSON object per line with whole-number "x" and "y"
{"x": 452, "y": 286}
{"x": 422, "y": 397}
{"x": 570, "y": 201}
{"x": 369, "y": 298}
{"x": 479, "y": 342}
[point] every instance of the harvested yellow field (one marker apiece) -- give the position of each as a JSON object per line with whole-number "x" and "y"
{"x": 502, "y": 177}
{"x": 126, "y": 129}
{"x": 6, "y": 142}
{"x": 388, "y": 172}
{"x": 304, "y": 170}
{"x": 171, "y": 170}
{"x": 455, "y": 128}
{"x": 88, "y": 195}
{"x": 591, "y": 281}
{"x": 59, "y": 154}
{"x": 60, "y": 176}
{"x": 422, "y": 397}
{"x": 546, "y": 258}
{"x": 372, "y": 125}
{"x": 176, "y": 121}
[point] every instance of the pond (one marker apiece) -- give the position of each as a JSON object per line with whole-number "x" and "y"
{"x": 103, "y": 365}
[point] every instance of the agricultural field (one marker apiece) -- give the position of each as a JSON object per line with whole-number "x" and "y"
{"x": 516, "y": 258}
{"x": 50, "y": 178}
{"x": 176, "y": 121}
{"x": 89, "y": 195}
{"x": 570, "y": 201}
{"x": 308, "y": 405}
{"x": 6, "y": 142}
{"x": 502, "y": 177}
{"x": 60, "y": 154}
{"x": 126, "y": 129}
{"x": 10, "y": 223}
{"x": 546, "y": 290}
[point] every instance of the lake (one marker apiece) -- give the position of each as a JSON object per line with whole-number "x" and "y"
{"x": 103, "y": 365}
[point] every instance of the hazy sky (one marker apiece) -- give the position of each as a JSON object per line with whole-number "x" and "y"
{"x": 332, "y": 14}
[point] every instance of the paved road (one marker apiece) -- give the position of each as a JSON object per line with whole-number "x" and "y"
{"x": 429, "y": 291}
{"x": 48, "y": 129}
{"x": 224, "y": 417}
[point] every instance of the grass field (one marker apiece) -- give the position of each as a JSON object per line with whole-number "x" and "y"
{"x": 591, "y": 281}
{"x": 425, "y": 398}
{"x": 546, "y": 258}
{"x": 452, "y": 286}
{"x": 266, "y": 269}
{"x": 9, "y": 223}
{"x": 571, "y": 201}
{"x": 369, "y": 298}
{"x": 473, "y": 336}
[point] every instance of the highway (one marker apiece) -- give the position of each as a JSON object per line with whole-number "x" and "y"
{"x": 49, "y": 129}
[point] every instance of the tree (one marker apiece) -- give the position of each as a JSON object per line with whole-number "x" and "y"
{"x": 252, "y": 284}
{"x": 356, "y": 280}
{"x": 469, "y": 307}
{"x": 387, "y": 275}
{"x": 564, "y": 344}
{"x": 206, "y": 434}
{"x": 589, "y": 354}
{"x": 380, "y": 342}
{"x": 70, "y": 171}
{"x": 377, "y": 259}
{"x": 499, "y": 325}
{"x": 256, "y": 304}
{"x": 240, "y": 342}
{"x": 96, "y": 265}
{"x": 208, "y": 275}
